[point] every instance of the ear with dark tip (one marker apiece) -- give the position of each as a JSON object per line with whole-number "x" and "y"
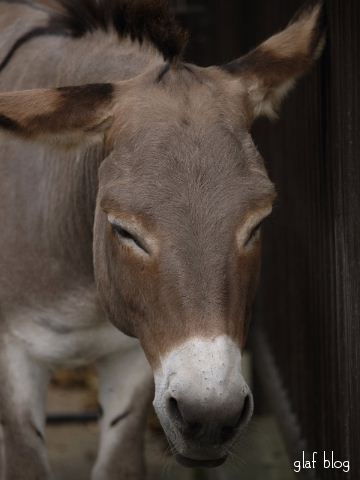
{"x": 67, "y": 116}
{"x": 269, "y": 71}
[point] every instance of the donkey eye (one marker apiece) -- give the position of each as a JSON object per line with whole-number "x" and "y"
{"x": 254, "y": 234}
{"x": 121, "y": 232}
{"x": 128, "y": 238}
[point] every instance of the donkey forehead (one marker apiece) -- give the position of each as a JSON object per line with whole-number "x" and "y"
{"x": 179, "y": 96}
{"x": 186, "y": 172}
{"x": 179, "y": 142}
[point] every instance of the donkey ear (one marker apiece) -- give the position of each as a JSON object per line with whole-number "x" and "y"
{"x": 67, "y": 115}
{"x": 270, "y": 71}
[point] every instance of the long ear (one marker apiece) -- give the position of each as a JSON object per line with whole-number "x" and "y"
{"x": 269, "y": 71}
{"x": 67, "y": 115}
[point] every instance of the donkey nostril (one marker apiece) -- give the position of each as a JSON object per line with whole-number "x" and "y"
{"x": 195, "y": 423}
{"x": 188, "y": 428}
{"x": 174, "y": 409}
{"x": 244, "y": 412}
{"x": 229, "y": 431}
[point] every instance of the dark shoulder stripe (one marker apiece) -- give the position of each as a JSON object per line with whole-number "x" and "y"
{"x": 139, "y": 20}
{"x": 33, "y": 33}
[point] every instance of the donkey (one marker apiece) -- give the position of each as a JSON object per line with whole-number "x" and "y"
{"x": 132, "y": 198}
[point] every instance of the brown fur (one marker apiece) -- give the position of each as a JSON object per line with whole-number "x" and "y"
{"x": 173, "y": 292}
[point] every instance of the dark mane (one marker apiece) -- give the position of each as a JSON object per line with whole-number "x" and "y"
{"x": 139, "y": 20}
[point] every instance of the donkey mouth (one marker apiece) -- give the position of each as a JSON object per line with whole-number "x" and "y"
{"x": 191, "y": 463}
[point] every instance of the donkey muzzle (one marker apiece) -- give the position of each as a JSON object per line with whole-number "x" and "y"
{"x": 202, "y": 399}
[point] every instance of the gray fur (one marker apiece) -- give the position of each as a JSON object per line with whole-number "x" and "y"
{"x": 178, "y": 163}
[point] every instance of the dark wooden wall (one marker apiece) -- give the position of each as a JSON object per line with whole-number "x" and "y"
{"x": 310, "y": 295}
{"x": 310, "y": 292}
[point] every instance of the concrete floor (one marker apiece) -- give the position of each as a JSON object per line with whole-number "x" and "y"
{"x": 259, "y": 456}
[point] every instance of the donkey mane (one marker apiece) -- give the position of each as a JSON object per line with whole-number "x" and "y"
{"x": 139, "y": 20}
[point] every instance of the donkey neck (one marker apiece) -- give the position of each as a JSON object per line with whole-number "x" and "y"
{"x": 59, "y": 201}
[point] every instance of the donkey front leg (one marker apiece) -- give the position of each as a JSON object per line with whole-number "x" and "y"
{"x": 126, "y": 391}
{"x": 22, "y": 413}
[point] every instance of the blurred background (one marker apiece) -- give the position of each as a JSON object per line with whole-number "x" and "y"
{"x": 304, "y": 348}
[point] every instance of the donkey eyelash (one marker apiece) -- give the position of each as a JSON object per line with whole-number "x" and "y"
{"x": 253, "y": 232}
{"x": 126, "y": 235}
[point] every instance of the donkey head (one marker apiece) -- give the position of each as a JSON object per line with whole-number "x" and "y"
{"x": 182, "y": 195}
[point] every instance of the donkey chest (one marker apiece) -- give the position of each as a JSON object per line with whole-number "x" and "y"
{"x": 67, "y": 333}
